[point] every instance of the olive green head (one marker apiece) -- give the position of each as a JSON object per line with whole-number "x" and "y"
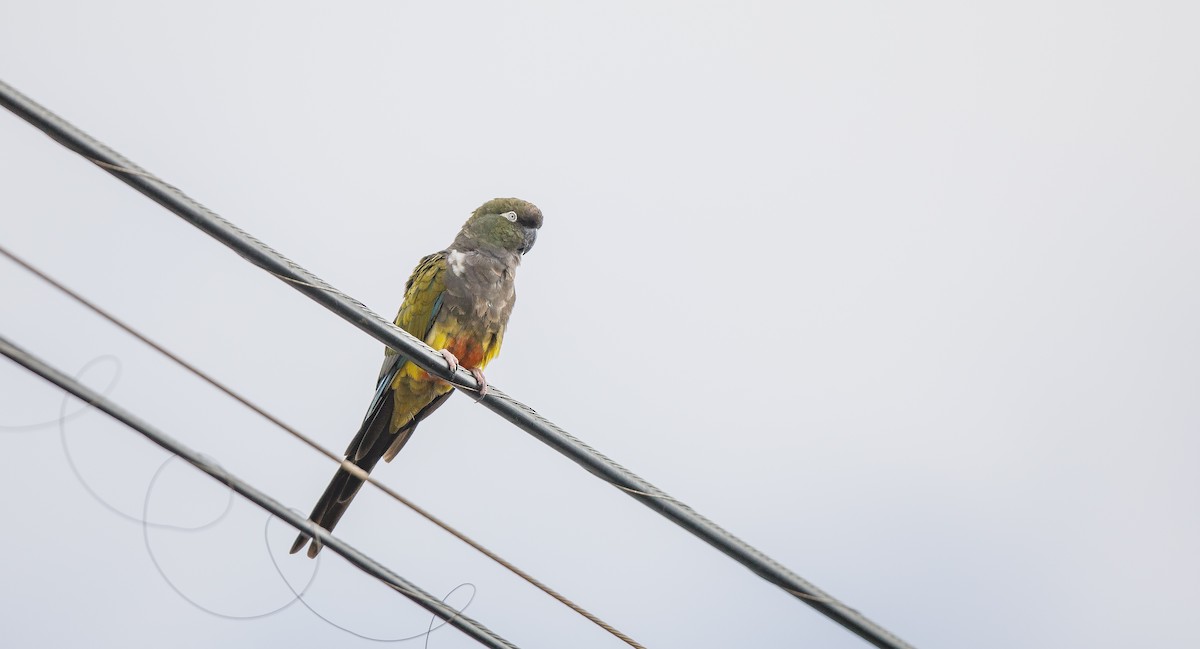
{"x": 501, "y": 225}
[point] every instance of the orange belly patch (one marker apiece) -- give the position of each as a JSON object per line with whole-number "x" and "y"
{"x": 469, "y": 352}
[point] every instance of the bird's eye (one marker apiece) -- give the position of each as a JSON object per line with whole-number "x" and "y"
{"x": 511, "y": 216}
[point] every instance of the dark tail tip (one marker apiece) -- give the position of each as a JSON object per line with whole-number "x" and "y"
{"x": 300, "y": 541}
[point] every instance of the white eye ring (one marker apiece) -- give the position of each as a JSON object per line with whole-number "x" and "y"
{"x": 511, "y": 216}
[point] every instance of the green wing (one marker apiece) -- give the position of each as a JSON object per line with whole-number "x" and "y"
{"x": 423, "y": 294}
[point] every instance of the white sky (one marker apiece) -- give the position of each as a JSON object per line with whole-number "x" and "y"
{"x": 903, "y": 294}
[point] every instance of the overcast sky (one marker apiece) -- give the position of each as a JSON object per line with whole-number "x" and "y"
{"x": 904, "y": 294}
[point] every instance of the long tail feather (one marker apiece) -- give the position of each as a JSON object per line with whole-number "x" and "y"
{"x": 342, "y": 489}
{"x": 344, "y": 486}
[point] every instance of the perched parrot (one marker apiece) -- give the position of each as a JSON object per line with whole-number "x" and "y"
{"x": 457, "y": 301}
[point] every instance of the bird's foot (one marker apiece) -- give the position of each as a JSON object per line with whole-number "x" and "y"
{"x": 483, "y": 386}
{"x": 451, "y": 359}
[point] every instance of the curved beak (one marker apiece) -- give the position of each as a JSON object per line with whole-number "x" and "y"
{"x": 530, "y": 237}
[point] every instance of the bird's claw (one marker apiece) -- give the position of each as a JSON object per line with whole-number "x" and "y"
{"x": 451, "y": 359}
{"x": 483, "y": 384}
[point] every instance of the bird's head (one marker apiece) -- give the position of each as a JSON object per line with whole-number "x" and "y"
{"x": 501, "y": 225}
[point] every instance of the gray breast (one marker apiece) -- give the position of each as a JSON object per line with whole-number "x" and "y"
{"x": 479, "y": 288}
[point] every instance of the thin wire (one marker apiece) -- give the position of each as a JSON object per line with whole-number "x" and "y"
{"x": 524, "y": 417}
{"x": 70, "y": 457}
{"x": 363, "y": 562}
{"x": 299, "y": 595}
{"x": 146, "y": 525}
{"x": 358, "y": 472}
{"x": 63, "y": 415}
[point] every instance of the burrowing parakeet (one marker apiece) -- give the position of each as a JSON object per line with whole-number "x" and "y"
{"x": 458, "y": 301}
